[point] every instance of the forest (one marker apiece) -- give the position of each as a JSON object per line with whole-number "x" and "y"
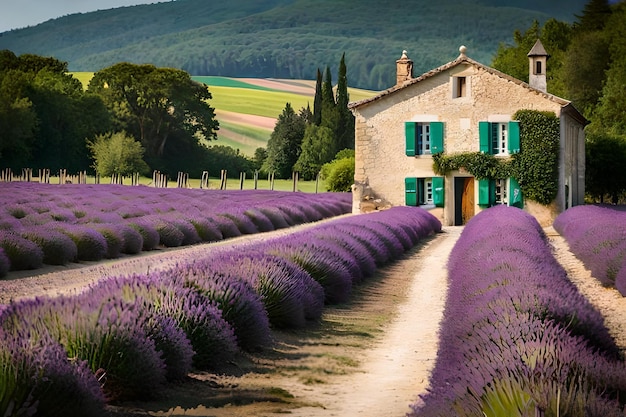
{"x": 285, "y": 38}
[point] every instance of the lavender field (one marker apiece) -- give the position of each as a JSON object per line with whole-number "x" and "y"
{"x": 597, "y": 236}
{"x": 43, "y": 224}
{"x": 128, "y": 336}
{"x": 517, "y": 337}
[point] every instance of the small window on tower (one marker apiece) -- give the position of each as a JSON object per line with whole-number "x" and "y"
{"x": 538, "y": 68}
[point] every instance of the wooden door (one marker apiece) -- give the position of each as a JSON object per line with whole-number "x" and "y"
{"x": 467, "y": 201}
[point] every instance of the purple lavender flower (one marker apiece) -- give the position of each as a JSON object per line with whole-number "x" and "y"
{"x": 22, "y": 253}
{"x": 57, "y": 247}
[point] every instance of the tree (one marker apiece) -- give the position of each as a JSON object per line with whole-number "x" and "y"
{"x": 317, "y": 149}
{"x": 284, "y": 145}
{"x": 513, "y": 59}
{"x": 45, "y": 114}
{"x": 345, "y": 125}
{"x": 612, "y": 104}
{"x": 605, "y": 161}
{"x": 594, "y": 17}
{"x": 118, "y": 154}
{"x": 339, "y": 174}
{"x": 317, "y": 103}
{"x": 330, "y": 117}
{"x": 584, "y": 68}
{"x": 156, "y": 104}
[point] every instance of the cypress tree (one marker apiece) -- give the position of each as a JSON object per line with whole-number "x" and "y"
{"x": 345, "y": 125}
{"x": 330, "y": 116}
{"x": 317, "y": 102}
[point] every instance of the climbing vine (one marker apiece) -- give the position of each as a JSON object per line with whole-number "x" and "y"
{"x": 536, "y": 166}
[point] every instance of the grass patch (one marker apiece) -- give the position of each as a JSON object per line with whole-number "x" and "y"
{"x": 257, "y": 102}
{"x": 213, "y": 81}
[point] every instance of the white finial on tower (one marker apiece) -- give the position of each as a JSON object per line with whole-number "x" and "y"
{"x": 463, "y": 50}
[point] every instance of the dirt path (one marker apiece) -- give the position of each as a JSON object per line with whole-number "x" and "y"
{"x": 396, "y": 368}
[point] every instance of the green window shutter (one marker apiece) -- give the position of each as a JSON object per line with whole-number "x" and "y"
{"x": 484, "y": 133}
{"x": 484, "y": 192}
{"x": 438, "y": 191}
{"x": 409, "y": 133}
{"x": 514, "y": 141}
{"x": 410, "y": 191}
{"x": 515, "y": 194}
{"x": 420, "y": 191}
{"x": 419, "y": 138}
{"x": 436, "y": 137}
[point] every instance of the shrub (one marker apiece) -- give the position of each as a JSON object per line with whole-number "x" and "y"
{"x": 207, "y": 230}
{"x": 90, "y": 244}
{"x": 240, "y": 304}
{"x": 37, "y": 378}
{"x": 149, "y": 235}
{"x": 113, "y": 236}
{"x": 58, "y": 248}
{"x": 22, "y": 253}
{"x": 516, "y": 333}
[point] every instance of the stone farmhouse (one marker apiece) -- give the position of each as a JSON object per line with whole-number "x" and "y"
{"x": 462, "y": 106}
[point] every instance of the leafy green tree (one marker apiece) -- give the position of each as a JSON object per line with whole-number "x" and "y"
{"x": 317, "y": 149}
{"x": 118, "y": 154}
{"x": 339, "y": 174}
{"x": 584, "y": 68}
{"x": 612, "y": 104}
{"x": 46, "y": 114}
{"x": 156, "y": 105}
{"x": 284, "y": 145}
{"x": 605, "y": 161}
{"x": 513, "y": 59}
{"x": 18, "y": 119}
{"x": 594, "y": 17}
{"x": 260, "y": 155}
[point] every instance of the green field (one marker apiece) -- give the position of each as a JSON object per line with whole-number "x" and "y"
{"x": 244, "y": 98}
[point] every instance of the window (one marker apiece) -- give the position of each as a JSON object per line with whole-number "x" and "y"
{"x": 459, "y": 88}
{"x": 499, "y": 138}
{"x": 500, "y": 186}
{"x": 423, "y": 138}
{"x": 499, "y": 191}
{"x": 538, "y": 68}
{"x": 424, "y": 191}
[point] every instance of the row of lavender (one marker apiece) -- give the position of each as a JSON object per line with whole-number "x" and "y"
{"x": 126, "y": 337}
{"x": 597, "y": 236}
{"x": 517, "y": 338}
{"x": 44, "y": 224}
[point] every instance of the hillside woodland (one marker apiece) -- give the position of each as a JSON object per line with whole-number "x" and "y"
{"x": 285, "y": 38}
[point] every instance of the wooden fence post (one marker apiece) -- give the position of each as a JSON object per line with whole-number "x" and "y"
{"x": 242, "y": 179}
{"x": 204, "y": 182}
{"x": 271, "y": 180}
{"x": 223, "y": 179}
{"x": 294, "y": 177}
{"x": 256, "y": 178}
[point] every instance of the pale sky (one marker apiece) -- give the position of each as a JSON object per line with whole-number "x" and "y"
{"x": 15, "y": 14}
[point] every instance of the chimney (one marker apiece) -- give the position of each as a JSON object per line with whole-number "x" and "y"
{"x": 404, "y": 69}
{"x": 537, "y": 60}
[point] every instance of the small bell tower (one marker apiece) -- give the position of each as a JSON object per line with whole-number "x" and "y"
{"x": 537, "y": 65}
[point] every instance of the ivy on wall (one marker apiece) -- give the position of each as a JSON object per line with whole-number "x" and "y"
{"x": 536, "y": 166}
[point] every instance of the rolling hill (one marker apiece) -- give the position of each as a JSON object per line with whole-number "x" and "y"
{"x": 286, "y": 39}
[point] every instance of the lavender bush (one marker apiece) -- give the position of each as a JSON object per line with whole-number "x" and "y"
{"x": 22, "y": 253}
{"x": 177, "y": 216}
{"x": 597, "y": 236}
{"x": 57, "y": 247}
{"x": 517, "y": 338}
